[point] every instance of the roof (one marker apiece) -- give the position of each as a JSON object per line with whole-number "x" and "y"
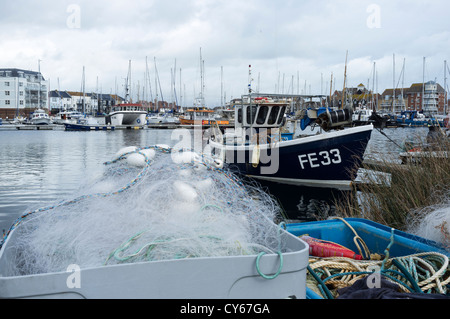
{"x": 15, "y": 72}
{"x": 61, "y": 94}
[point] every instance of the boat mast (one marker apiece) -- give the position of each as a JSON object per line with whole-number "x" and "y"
{"x": 445, "y": 88}
{"x": 373, "y": 87}
{"x": 331, "y": 88}
{"x": 158, "y": 82}
{"x": 39, "y": 77}
{"x": 221, "y": 86}
{"x": 403, "y": 83}
{"x": 345, "y": 79}
{"x": 156, "y": 85}
{"x": 423, "y": 85}
{"x": 83, "y": 90}
{"x": 202, "y": 83}
{"x": 127, "y": 86}
{"x": 393, "y": 92}
{"x": 147, "y": 80}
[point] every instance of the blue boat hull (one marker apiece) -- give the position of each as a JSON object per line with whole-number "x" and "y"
{"x": 80, "y": 127}
{"x": 329, "y": 159}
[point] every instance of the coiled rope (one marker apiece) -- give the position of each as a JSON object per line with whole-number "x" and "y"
{"x": 426, "y": 272}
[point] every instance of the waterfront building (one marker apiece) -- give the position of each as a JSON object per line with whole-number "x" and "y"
{"x": 359, "y": 97}
{"x": 22, "y": 92}
{"x": 428, "y": 97}
{"x": 71, "y": 100}
{"x": 60, "y": 101}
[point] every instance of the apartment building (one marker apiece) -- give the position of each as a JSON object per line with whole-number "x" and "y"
{"x": 21, "y": 92}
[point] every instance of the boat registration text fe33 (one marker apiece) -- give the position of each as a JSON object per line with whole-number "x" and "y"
{"x": 318, "y": 159}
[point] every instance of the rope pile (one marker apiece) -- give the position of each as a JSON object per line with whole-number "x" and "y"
{"x": 427, "y": 272}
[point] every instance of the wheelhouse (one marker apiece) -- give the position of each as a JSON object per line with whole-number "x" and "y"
{"x": 260, "y": 114}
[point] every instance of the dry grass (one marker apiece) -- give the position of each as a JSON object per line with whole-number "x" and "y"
{"x": 412, "y": 187}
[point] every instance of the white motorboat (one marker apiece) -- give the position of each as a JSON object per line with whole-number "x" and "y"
{"x": 128, "y": 114}
{"x": 66, "y": 117}
{"x": 40, "y": 117}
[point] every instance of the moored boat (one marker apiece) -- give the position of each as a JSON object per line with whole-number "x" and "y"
{"x": 256, "y": 147}
{"x": 87, "y": 124}
{"x": 128, "y": 114}
{"x": 201, "y": 116}
{"x": 67, "y": 117}
{"x": 39, "y": 117}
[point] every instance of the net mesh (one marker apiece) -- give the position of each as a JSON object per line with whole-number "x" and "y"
{"x": 150, "y": 204}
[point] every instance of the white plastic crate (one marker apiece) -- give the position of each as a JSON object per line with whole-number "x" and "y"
{"x": 192, "y": 278}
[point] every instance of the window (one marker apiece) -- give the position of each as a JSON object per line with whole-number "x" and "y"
{"x": 239, "y": 116}
{"x": 273, "y": 115}
{"x": 7, "y": 102}
{"x": 21, "y": 102}
{"x": 251, "y": 114}
{"x": 7, "y": 93}
{"x": 7, "y": 83}
{"x": 21, "y": 93}
{"x": 262, "y": 114}
{"x": 281, "y": 116}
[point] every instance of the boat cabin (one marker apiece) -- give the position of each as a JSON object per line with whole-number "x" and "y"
{"x": 128, "y": 108}
{"x": 260, "y": 113}
{"x": 199, "y": 114}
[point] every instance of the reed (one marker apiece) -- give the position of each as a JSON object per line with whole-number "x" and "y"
{"x": 410, "y": 187}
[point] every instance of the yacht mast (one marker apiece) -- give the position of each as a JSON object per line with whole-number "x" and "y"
{"x": 393, "y": 92}
{"x": 445, "y": 88}
{"x": 423, "y": 84}
{"x": 345, "y": 79}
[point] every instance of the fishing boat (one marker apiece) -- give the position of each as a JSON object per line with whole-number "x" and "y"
{"x": 128, "y": 114}
{"x": 201, "y": 116}
{"x": 87, "y": 124}
{"x": 39, "y": 117}
{"x": 347, "y": 241}
{"x": 415, "y": 118}
{"x": 256, "y": 147}
{"x": 163, "y": 117}
{"x": 361, "y": 116}
{"x": 67, "y": 117}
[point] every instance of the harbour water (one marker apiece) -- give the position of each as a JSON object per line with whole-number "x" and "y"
{"x": 40, "y": 167}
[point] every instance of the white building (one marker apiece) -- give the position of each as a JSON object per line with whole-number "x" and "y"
{"x": 431, "y": 98}
{"x": 21, "y": 91}
{"x": 90, "y": 100}
{"x": 60, "y": 101}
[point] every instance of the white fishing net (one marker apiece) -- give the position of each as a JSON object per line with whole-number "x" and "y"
{"x": 433, "y": 222}
{"x": 176, "y": 207}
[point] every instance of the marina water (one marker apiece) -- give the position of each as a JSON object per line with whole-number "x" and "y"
{"x": 41, "y": 167}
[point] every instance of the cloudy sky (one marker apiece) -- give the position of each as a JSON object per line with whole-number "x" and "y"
{"x": 292, "y": 45}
